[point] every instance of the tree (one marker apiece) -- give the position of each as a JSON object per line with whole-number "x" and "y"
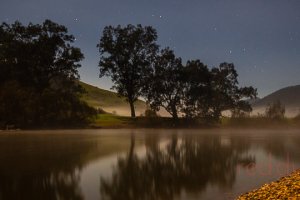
{"x": 41, "y": 64}
{"x": 126, "y": 56}
{"x": 226, "y": 95}
{"x": 165, "y": 84}
{"x": 197, "y": 89}
{"x": 275, "y": 110}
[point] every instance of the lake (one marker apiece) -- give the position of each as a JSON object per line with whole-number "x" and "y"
{"x": 143, "y": 163}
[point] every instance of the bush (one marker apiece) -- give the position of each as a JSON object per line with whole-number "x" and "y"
{"x": 150, "y": 113}
{"x": 275, "y": 110}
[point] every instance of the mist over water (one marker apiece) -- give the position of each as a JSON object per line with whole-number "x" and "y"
{"x": 143, "y": 164}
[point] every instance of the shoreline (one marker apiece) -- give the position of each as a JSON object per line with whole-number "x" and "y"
{"x": 287, "y": 187}
{"x": 110, "y": 121}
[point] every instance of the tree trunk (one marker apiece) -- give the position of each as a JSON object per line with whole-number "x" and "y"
{"x": 131, "y": 151}
{"x": 175, "y": 116}
{"x": 131, "y": 103}
{"x": 174, "y": 113}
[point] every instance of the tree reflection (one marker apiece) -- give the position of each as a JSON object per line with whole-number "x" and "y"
{"x": 184, "y": 164}
{"x": 283, "y": 147}
{"x": 62, "y": 185}
{"x": 42, "y": 167}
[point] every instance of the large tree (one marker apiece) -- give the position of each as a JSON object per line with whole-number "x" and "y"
{"x": 197, "y": 89}
{"x": 127, "y": 54}
{"x": 38, "y": 71}
{"x": 226, "y": 93}
{"x": 165, "y": 84}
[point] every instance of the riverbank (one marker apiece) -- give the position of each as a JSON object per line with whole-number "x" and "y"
{"x": 285, "y": 188}
{"x": 112, "y": 121}
{"x": 115, "y": 121}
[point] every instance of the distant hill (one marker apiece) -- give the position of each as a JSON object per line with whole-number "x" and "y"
{"x": 289, "y": 96}
{"x": 109, "y": 101}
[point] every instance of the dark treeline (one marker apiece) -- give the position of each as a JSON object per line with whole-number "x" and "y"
{"x": 39, "y": 77}
{"x": 139, "y": 68}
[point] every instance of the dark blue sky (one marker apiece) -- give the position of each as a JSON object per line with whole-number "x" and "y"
{"x": 261, "y": 37}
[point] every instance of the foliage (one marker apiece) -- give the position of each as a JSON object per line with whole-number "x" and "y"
{"x": 236, "y": 113}
{"x": 129, "y": 55}
{"x": 194, "y": 90}
{"x": 285, "y": 188}
{"x": 126, "y": 56}
{"x": 164, "y": 87}
{"x": 197, "y": 90}
{"x": 275, "y": 110}
{"x": 150, "y": 113}
{"x": 38, "y": 76}
{"x": 226, "y": 94}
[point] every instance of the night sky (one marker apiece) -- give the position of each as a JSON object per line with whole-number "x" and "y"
{"x": 261, "y": 37}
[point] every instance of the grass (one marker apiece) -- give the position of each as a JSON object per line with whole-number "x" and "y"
{"x": 108, "y": 120}
{"x": 100, "y": 98}
{"x": 112, "y": 121}
{"x": 97, "y": 97}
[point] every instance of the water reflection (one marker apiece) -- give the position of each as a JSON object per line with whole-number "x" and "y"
{"x": 283, "y": 147}
{"x": 184, "y": 164}
{"x": 159, "y": 164}
{"x": 42, "y": 167}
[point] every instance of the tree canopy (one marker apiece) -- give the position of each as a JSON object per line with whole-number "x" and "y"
{"x": 126, "y": 56}
{"x": 226, "y": 93}
{"x": 164, "y": 86}
{"x": 39, "y": 76}
{"x": 130, "y": 56}
{"x": 197, "y": 89}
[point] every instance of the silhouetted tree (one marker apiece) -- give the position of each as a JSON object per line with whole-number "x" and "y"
{"x": 226, "y": 94}
{"x": 275, "y": 110}
{"x": 165, "y": 84}
{"x": 39, "y": 65}
{"x": 126, "y": 56}
{"x": 197, "y": 90}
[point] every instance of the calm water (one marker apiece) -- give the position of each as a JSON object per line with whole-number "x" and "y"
{"x": 143, "y": 164}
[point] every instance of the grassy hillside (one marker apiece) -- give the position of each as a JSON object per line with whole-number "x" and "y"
{"x": 112, "y": 103}
{"x": 109, "y": 101}
{"x": 289, "y": 96}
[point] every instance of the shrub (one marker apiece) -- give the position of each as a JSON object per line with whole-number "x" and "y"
{"x": 276, "y": 110}
{"x": 150, "y": 113}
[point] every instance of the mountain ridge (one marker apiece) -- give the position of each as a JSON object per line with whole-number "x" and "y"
{"x": 288, "y": 96}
